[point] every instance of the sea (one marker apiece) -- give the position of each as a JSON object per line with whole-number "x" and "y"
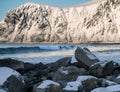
{"x": 47, "y": 53}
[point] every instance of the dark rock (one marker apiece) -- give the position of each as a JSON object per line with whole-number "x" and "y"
{"x": 14, "y": 84}
{"x": 66, "y": 61}
{"x": 69, "y": 73}
{"x": 104, "y": 83}
{"x": 85, "y": 58}
{"x": 111, "y": 77}
{"x": 82, "y": 84}
{"x": 103, "y": 69}
{"x": 28, "y": 67}
{"x": 47, "y": 86}
{"x": 12, "y": 63}
{"x": 89, "y": 84}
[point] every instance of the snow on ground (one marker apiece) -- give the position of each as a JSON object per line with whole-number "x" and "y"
{"x": 73, "y": 86}
{"x": 101, "y": 89}
{"x": 113, "y": 88}
{"x": 46, "y": 83}
{"x": 2, "y": 90}
{"x": 5, "y": 73}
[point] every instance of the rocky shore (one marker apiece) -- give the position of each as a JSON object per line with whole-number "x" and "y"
{"x": 88, "y": 74}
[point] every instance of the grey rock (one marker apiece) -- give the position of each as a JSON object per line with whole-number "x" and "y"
{"x": 89, "y": 84}
{"x": 12, "y": 63}
{"x": 104, "y": 83}
{"x": 14, "y": 84}
{"x": 50, "y": 86}
{"x": 82, "y": 84}
{"x": 69, "y": 73}
{"x": 103, "y": 69}
{"x": 63, "y": 62}
{"x": 85, "y": 58}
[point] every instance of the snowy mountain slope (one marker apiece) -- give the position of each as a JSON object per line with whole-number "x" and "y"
{"x": 97, "y": 22}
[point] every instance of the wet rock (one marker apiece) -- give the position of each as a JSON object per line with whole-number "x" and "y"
{"x": 103, "y": 69}
{"x": 85, "y": 58}
{"x": 12, "y": 63}
{"x": 14, "y": 84}
{"x": 82, "y": 84}
{"x": 104, "y": 83}
{"x": 63, "y": 62}
{"x": 47, "y": 86}
{"x": 69, "y": 73}
{"x": 11, "y": 80}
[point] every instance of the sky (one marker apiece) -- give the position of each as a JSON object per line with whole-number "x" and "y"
{"x": 6, "y": 5}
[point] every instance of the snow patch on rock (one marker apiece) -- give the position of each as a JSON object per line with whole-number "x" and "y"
{"x": 6, "y": 72}
{"x": 46, "y": 83}
{"x": 73, "y": 86}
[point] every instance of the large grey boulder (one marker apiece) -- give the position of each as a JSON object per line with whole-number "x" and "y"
{"x": 12, "y": 63}
{"x": 103, "y": 69}
{"x": 63, "y": 62}
{"x": 11, "y": 80}
{"x": 82, "y": 84}
{"x": 14, "y": 84}
{"x": 69, "y": 73}
{"x": 85, "y": 57}
{"x": 47, "y": 86}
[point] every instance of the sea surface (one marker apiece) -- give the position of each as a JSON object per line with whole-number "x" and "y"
{"x": 47, "y": 53}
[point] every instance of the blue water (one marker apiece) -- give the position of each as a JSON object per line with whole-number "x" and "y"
{"x": 47, "y": 53}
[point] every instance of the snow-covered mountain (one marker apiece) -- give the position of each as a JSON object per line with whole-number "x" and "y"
{"x": 97, "y": 22}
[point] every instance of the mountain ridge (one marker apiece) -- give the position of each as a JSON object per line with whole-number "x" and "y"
{"x": 33, "y": 23}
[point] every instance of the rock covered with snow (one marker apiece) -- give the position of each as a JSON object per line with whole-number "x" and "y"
{"x": 85, "y": 57}
{"x": 97, "y": 22}
{"x": 47, "y": 86}
{"x": 69, "y": 73}
{"x": 11, "y": 79}
{"x": 83, "y": 83}
{"x": 102, "y": 69}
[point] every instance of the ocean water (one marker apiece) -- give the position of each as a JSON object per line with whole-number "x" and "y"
{"x": 47, "y": 53}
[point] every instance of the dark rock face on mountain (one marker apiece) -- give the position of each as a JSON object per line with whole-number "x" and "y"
{"x": 98, "y": 22}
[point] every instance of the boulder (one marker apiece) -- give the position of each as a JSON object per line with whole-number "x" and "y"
{"x": 69, "y": 73}
{"x": 85, "y": 57}
{"x": 47, "y": 86}
{"x": 12, "y": 63}
{"x": 14, "y": 84}
{"x": 104, "y": 83}
{"x": 82, "y": 84}
{"x": 11, "y": 80}
{"x": 103, "y": 69}
{"x": 63, "y": 62}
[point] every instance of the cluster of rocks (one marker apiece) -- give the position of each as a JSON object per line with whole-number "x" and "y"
{"x": 88, "y": 74}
